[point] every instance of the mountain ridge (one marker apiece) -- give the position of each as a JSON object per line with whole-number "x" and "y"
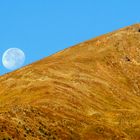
{"x": 88, "y": 91}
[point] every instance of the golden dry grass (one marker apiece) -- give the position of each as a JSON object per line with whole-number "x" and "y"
{"x": 90, "y": 91}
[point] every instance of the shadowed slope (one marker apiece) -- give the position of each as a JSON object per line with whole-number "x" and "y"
{"x": 89, "y": 91}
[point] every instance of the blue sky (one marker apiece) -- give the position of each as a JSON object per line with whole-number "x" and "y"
{"x": 43, "y": 27}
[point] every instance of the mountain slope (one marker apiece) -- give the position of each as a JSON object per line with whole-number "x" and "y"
{"x": 88, "y": 91}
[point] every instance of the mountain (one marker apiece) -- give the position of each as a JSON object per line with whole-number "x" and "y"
{"x": 90, "y": 91}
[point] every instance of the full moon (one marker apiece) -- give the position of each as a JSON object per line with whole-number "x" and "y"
{"x": 13, "y": 58}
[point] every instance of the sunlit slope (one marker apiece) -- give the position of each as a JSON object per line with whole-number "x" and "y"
{"x": 89, "y": 91}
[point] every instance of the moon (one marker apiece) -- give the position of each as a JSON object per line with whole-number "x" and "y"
{"x": 13, "y": 58}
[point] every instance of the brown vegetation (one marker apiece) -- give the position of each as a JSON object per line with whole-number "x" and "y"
{"x": 90, "y": 91}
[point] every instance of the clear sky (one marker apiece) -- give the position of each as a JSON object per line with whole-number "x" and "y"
{"x": 43, "y": 27}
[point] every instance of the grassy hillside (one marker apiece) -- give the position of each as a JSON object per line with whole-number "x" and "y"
{"x": 90, "y": 91}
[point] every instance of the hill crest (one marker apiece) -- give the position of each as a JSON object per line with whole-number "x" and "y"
{"x": 88, "y": 91}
